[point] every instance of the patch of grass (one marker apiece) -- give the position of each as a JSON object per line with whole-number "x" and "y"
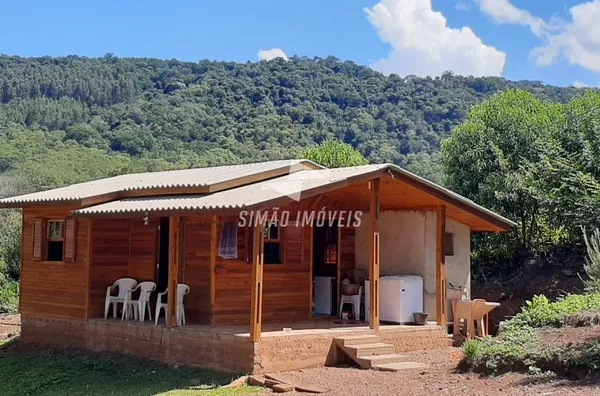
{"x": 28, "y": 370}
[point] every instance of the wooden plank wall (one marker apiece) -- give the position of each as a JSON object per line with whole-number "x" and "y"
{"x": 120, "y": 248}
{"x": 54, "y": 289}
{"x": 287, "y": 286}
{"x": 233, "y": 287}
{"x": 196, "y": 270}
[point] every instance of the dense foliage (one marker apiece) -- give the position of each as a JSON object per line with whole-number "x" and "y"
{"x": 70, "y": 119}
{"x": 534, "y": 161}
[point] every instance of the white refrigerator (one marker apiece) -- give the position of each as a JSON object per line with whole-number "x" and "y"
{"x": 325, "y": 295}
{"x": 399, "y": 297}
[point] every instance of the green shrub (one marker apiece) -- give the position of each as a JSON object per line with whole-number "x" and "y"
{"x": 506, "y": 352}
{"x": 540, "y": 312}
{"x": 9, "y": 294}
{"x": 517, "y": 346}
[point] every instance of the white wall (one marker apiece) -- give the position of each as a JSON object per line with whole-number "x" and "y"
{"x": 408, "y": 247}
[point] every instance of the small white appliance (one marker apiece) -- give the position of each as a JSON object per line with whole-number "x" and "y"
{"x": 399, "y": 297}
{"x": 325, "y": 295}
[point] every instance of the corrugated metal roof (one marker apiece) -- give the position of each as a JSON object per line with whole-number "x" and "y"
{"x": 191, "y": 178}
{"x": 293, "y": 186}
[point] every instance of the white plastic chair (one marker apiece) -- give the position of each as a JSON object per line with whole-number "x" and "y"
{"x": 142, "y": 304}
{"x": 353, "y": 300}
{"x": 182, "y": 290}
{"x": 125, "y": 286}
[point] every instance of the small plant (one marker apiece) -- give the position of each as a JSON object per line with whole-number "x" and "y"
{"x": 471, "y": 349}
{"x": 592, "y": 261}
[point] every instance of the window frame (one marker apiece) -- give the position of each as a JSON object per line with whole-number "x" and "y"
{"x": 448, "y": 244}
{"x": 267, "y": 240}
{"x": 274, "y": 241}
{"x": 48, "y": 239}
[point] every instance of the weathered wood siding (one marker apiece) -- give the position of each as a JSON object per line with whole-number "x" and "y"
{"x": 54, "y": 289}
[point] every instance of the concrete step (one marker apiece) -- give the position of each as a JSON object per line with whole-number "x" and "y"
{"x": 378, "y": 348}
{"x": 372, "y": 361}
{"x": 357, "y": 340}
{"x": 399, "y": 366}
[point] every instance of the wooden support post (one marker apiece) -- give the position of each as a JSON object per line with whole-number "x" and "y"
{"x": 174, "y": 261}
{"x": 257, "y": 282}
{"x": 374, "y": 185}
{"x": 214, "y": 247}
{"x": 441, "y": 267}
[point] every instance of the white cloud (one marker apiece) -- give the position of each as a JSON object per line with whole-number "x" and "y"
{"x": 423, "y": 44}
{"x": 579, "y": 84}
{"x": 578, "y": 40}
{"x": 272, "y": 53}
{"x": 503, "y": 11}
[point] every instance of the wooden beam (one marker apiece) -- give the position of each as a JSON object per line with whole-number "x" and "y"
{"x": 374, "y": 186}
{"x": 174, "y": 261}
{"x": 214, "y": 247}
{"x": 441, "y": 267}
{"x": 257, "y": 282}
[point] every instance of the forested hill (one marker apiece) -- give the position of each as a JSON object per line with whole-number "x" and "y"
{"x": 69, "y": 119}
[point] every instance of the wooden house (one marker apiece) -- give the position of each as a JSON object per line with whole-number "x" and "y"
{"x": 255, "y": 311}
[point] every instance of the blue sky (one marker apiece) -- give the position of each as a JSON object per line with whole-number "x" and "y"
{"x": 556, "y": 41}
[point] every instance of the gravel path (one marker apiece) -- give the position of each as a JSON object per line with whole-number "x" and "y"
{"x": 439, "y": 379}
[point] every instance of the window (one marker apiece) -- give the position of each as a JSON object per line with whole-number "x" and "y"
{"x": 272, "y": 232}
{"x": 272, "y": 247}
{"x": 449, "y": 244}
{"x": 55, "y": 242}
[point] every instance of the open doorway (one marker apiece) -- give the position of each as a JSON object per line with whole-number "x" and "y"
{"x": 325, "y": 270}
{"x": 163, "y": 255}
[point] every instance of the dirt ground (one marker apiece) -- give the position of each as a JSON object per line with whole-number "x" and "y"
{"x": 10, "y": 326}
{"x": 570, "y": 335}
{"x": 439, "y": 378}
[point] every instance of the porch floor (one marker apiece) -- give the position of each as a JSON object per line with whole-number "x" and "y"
{"x": 315, "y": 326}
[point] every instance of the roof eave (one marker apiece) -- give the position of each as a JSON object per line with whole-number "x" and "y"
{"x": 454, "y": 199}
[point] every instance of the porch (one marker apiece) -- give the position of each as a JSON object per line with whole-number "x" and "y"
{"x": 309, "y": 343}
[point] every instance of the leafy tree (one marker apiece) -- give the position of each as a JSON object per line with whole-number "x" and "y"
{"x": 522, "y": 157}
{"x": 335, "y": 154}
